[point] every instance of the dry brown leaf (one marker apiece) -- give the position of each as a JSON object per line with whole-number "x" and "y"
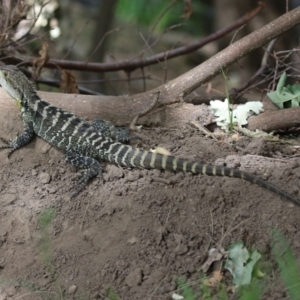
{"x": 68, "y": 83}
{"x": 188, "y": 9}
{"x": 236, "y": 136}
{"x": 18, "y": 13}
{"x": 214, "y": 255}
{"x": 161, "y": 150}
{"x": 214, "y": 279}
{"x": 39, "y": 62}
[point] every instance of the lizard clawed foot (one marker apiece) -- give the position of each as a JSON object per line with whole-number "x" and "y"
{"x": 89, "y": 166}
{"x": 5, "y": 141}
{"x": 81, "y": 183}
{"x": 7, "y": 146}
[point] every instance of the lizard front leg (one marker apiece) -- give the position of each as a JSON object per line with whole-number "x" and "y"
{"x": 89, "y": 166}
{"x": 21, "y": 140}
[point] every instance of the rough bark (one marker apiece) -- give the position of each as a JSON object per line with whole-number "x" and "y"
{"x": 275, "y": 120}
{"x": 109, "y": 108}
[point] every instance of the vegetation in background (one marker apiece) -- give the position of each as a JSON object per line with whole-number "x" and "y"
{"x": 45, "y": 242}
{"x": 288, "y": 270}
{"x": 141, "y": 13}
{"x": 285, "y": 96}
{"x": 287, "y": 263}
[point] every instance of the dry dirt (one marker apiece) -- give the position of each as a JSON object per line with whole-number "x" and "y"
{"x": 139, "y": 231}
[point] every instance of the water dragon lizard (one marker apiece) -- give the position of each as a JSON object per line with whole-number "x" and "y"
{"x": 86, "y": 144}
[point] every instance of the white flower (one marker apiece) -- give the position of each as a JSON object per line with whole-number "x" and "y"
{"x": 221, "y": 110}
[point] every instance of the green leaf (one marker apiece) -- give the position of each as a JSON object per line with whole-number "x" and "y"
{"x": 285, "y": 96}
{"x": 287, "y": 264}
{"x": 281, "y": 83}
{"x": 240, "y": 263}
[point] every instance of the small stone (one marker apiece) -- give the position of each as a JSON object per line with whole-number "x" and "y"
{"x": 134, "y": 278}
{"x": 51, "y": 189}
{"x": 46, "y": 147}
{"x": 178, "y": 178}
{"x": 71, "y": 277}
{"x": 7, "y": 199}
{"x": 62, "y": 170}
{"x": 220, "y": 162}
{"x": 72, "y": 289}
{"x": 45, "y": 282}
{"x": 11, "y": 291}
{"x": 170, "y": 287}
{"x": 158, "y": 256}
{"x": 96, "y": 295}
{"x": 132, "y": 176}
{"x": 118, "y": 192}
{"x": 291, "y": 228}
{"x": 233, "y": 161}
{"x": 178, "y": 238}
{"x": 44, "y": 177}
{"x": 113, "y": 173}
{"x": 181, "y": 249}
{"x": 156, "y": 276}
{"x": 147, "y": 269}
{"x": 132, "y": 240}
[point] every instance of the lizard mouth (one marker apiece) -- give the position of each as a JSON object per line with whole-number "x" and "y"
{"x": 19, "y": 104}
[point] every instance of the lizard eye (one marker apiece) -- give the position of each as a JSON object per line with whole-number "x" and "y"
{"x": 5, "y": 74}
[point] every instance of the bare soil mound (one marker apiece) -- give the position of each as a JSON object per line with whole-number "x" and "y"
{"x": 138, "y": 231}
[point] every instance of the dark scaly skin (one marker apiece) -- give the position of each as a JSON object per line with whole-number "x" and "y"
{"x": 86, "y": 144}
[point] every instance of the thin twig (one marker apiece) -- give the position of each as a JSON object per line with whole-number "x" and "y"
{"x": 271, "y": 44}
{"x": 138, "y": 63}
{"x": 75, "y": 39}
{"x": 160, "y": 16}
{"x": 101, "y": 41}
{"x": 148, "y": 109}
{"x": 85, "y": 212}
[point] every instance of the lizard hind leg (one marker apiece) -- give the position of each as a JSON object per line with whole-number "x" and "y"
{"x": 108, "y": 130}
{"x": 89, "y": 166}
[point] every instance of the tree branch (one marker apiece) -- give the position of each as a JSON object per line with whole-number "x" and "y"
{"x": 275, "y": 120}
{"x": 131, "y": 65}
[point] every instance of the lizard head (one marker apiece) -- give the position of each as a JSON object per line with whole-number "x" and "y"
{"x": 16, "y": 84}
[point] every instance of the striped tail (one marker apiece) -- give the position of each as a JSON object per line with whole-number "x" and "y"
{"x": 127, "y": 156}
